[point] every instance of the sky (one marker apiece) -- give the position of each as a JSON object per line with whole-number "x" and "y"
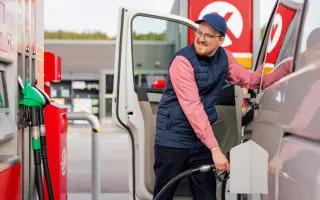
{"x": 102, "y": 15}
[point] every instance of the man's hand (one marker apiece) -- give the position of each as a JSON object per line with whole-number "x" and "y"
{"x": 219, "y": 159}
{"x": 273, "y": 166}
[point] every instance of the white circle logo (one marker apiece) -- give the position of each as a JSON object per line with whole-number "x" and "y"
{"x": 63, "y": 162}
{"x": 275, "y": 32}
{"x": 232, "y": 16}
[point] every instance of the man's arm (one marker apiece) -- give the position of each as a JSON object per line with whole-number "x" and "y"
{"x": 184, "y": 84}
{"x": 238, "y": 75}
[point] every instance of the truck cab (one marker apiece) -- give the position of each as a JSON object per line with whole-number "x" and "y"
{"x": 135, "y": 102}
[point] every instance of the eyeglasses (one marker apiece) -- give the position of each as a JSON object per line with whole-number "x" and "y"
{"x": 205, "y": 36}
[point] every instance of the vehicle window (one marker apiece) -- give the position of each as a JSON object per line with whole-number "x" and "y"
{"x": 155, "y": 41}
{"x": 309, "y": 41}
{"x": 264, "y": 43}
{"x": 282, "y": 36}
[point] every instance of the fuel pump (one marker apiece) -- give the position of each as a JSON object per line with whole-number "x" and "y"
{"x": 34, "y": 100}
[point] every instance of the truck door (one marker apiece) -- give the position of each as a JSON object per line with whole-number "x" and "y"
{"x": 277, "y": 50}
{"x": 145, "y": 44}
{"x": 299, "y": 115}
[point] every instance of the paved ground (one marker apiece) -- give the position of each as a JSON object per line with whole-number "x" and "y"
{"x": 114, "y": 159}
{"x": 119, "y": 196}
{"x": 114, "y": 163}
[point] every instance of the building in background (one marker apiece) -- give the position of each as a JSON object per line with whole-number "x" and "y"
{"x": 87, "y": 71}
{"x": 88, "y": 65}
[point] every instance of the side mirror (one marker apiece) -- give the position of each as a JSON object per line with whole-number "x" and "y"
{"x": 159, "y": 84}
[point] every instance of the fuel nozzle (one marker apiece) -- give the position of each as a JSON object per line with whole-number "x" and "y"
{"x": 45, "y": 97}
{"x": 31, "y": 97}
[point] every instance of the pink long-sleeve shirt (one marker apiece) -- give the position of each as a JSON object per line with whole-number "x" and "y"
{"x": 184, "y": 84}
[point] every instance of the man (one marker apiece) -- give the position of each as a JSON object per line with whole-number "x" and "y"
{"x": 184, "y": 137}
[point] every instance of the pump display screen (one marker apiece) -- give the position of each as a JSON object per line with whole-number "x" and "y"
{"x": 3, "y": 95}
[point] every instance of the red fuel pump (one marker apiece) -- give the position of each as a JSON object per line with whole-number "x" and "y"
{"x": 52, "y": 70}
{"x": 10, "y": 176}
{"x": 56, "y": 124}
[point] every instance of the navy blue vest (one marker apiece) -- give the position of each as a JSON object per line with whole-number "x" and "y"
{"x": 172, "y": 126}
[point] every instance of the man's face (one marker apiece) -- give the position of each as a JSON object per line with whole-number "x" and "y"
{"x": 207, "y": 40}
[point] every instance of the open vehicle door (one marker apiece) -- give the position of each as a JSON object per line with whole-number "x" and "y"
{"x": 137, "y": 65}
{"x": 278, "y": 50}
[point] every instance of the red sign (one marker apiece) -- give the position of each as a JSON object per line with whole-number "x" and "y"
{"x": 280, "y": 25}
{"x": 238, "y": 15}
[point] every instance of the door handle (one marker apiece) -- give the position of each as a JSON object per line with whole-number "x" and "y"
{"x": 130, "y": 113}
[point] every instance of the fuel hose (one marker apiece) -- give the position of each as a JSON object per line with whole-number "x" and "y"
{"x": 44, "y": 156}
{"x": 203, "y": 168}
{"x": 36, "y": 145}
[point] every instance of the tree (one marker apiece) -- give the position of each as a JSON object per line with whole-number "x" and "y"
{"x": 63, "y": 35}
{"x": 67, "y": 35}
{"x": 149, "y": 36}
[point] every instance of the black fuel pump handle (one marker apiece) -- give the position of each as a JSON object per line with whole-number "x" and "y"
{"x": 45, "y": 96}
{"x": 34, "y": 83}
